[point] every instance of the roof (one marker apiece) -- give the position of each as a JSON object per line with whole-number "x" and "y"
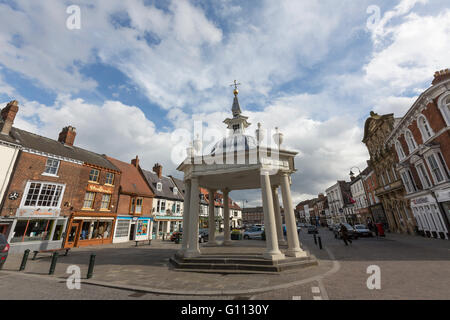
{"x": 53, "y": 147}
{"x": 180, "y": 185}
{"x": 167, "y": 186}
{"x": 131, "y": 181}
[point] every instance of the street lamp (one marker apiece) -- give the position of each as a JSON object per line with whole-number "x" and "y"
{"x": 365, "y": 191}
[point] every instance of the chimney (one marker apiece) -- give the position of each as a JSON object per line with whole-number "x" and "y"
{"x": 157, "y": 168}
{"x": 135, "y": 162}
{"x": 67, "y": 135}
{"x": 440, "y": 76}
{"x": 8, "y": 115}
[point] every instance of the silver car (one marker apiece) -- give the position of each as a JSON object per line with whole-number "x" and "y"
{"x": 254, "y": 233}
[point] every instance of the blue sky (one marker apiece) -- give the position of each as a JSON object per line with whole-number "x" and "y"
{"x": 138, "y": 70}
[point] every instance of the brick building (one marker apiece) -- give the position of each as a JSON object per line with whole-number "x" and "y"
{"x": 375, "y": 205}
{"x": 252, "y": 216}
{"x": 421, "y": 143}
{"x": 135, "y": 205}
{"x": 50, "y": 192}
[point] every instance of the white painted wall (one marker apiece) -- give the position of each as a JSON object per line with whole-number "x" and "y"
{"x": 8, "y": 156}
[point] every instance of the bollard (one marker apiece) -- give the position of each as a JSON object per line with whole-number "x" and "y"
{"x": 53, "y": 264}
{"x": 24, "y": 260}
{"x": 91, "y": 266}
{"x": 315, "y": 239}
{"x": 320, "y": 243}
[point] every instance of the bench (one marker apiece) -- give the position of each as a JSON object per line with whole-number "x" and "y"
{"x": 138, "y": 241}
{"x": 50, "y": 251}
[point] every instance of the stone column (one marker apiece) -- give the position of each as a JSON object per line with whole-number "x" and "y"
{"x": 278, "y": 220}
{"x": 194, "y": 207}
{"x": 212, "y": 220}
{"x": 226, "y": 218}
{"x": 272, "y": 252}
{"x": 294, "y": 249}
{"x": 186, "y": 218}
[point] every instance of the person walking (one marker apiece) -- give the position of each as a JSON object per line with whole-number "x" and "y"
{"x": 376, "y": 229}
{"x": 344, "y": 234}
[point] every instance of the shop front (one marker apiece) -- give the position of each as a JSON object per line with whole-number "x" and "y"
{"x": 89, "y": 229}
{"x": 429, "y": 219}
{"x": 132, "y": 228}
{"x": 35, "y": 229}
{"x": 443, "y": 197}
{"x": 164, "y": 226}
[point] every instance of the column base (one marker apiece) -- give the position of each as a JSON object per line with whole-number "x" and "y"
{"x": 191, "y": 253}
{"x": 296, "y": 253}
{"x": 282, "y": 242}
{"x": 274, "y": 256}
{"x": 180, "y": 253}
{"x": 213, "y": 243}
{"x": 228, "y": 243}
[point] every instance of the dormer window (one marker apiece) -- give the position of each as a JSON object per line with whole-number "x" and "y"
{"x": 159, "y": 186}
{"x": 175, "y": 190}
{"x": 51, "y": 167}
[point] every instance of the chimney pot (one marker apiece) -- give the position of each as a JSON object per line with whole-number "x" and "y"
{"x": 67, "y": 135}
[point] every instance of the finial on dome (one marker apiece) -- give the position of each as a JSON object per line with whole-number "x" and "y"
{"x": 235, "y": 84}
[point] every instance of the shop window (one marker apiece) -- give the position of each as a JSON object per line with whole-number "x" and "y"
{"x": 94, "y": 175}
{"x": 43, "y": 194}
{"x": 106, "y": 199}
{"x": 96, "y": 229}
{"x": 142, "y": 228}
{"x": 32, "y": 230}
{"x": 122, "y": 228}
{"x": 109, "y": 178}
{"x": 136, "y": 206}
{"x": 51, "y": 167}
{"x": 88, "y": 200}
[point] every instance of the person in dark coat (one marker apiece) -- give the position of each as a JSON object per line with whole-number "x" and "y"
{"x": 344, "y": 235}
{"x": 376, "y": 229}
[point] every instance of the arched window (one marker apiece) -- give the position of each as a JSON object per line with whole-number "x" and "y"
{"x": 412, "y": 145}
{"x": 444, "y": 106}
{"x": 400, "y": 152}
{"x": 425, "y": 128}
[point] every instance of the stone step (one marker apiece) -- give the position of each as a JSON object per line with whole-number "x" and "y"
{"x": 181, "y": 264}
{"x": 239, "y": 260}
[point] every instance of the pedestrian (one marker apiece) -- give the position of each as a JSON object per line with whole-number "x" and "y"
{"x": 344, "y": 235}
{"x": 376, "y": 229}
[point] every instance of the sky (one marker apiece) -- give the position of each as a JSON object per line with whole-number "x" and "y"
{"x": 131, "y": 75}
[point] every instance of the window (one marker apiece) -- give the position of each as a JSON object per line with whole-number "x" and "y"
{"x": 444, "y": 106}
{"x": 163, "y": 206}
{"x": 109, "y": 178}
{"x": 410, "y": 141}
{"x": 32, "y": 230}
{"x": 51, "y": 167}
{"x": 59, "y": 229}
{"x": 122, "y": 228}
{"x": 88, "y": 200}
{"x": 435, "y": 170}
{"x": 425, "y": 128}
{"x": 407, "y": 181}
{"x": 106, "y": 199}
{"x": 175, "y": 190}
{"x": 394, "y": 174}
{"x": 423, "y": 176}
{"x": 159, "y": 186}
{"x": 136, "y": 205}
{"x": 178, "y": 207}
{"x": 400, "y": 152}
{"x": 388, "y": 177}
{"x": 43, "y": 195}
{"x": 93, "y": 175}
{"x": 444, "y": 166}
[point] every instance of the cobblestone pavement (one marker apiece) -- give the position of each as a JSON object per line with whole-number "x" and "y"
{"x": 411, "y": 268}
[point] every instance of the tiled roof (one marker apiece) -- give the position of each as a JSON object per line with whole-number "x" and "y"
{"x": 46, "y": 145}
{"x": 167, "y": 186}
{"x": 131, "y": 181}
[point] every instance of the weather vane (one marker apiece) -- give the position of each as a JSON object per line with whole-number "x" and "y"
{"x": 235, "y": 84}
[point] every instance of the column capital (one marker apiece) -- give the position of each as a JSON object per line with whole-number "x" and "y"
{"x": 225, "y": 191}
{"x": 275, "y": 187}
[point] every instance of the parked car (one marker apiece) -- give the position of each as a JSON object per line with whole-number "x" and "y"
{"x": 331, "y": 226}
{"x": 363, "y": 231}
{"x": 352, "y": 233}
{"x": 254, "y": 233}
{"x": 4, "y": 249}
{"x": 312, "y": 229}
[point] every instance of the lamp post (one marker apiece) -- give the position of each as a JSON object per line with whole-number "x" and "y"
{"x": 365, "y": 191}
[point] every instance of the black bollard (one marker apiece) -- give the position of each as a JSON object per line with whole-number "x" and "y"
{"x": 24, "y": 260}
{"x": 320, "y": 243}
{"x": 91, "y": 266}
{"x": 315, "y": 239}
{"x": 53, "y": 264}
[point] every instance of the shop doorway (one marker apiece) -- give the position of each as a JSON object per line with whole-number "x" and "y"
{"x": 72, "y": 237}
{"x": 132, "y": 231}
